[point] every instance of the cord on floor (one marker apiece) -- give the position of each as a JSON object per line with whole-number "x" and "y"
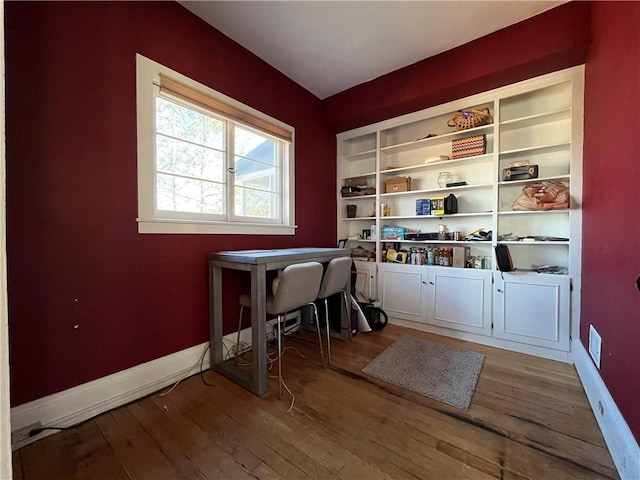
{"x": 37, "y": 431}
{"x": 293, "y": 397}
{"x": 188, "y": 373}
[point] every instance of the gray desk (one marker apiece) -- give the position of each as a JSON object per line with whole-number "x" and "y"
{"x": 258, "y": 262}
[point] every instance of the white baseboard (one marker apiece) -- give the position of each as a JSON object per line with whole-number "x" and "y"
{"x": 80, "y": 403}
{"x": 541, "y": 352}
{"x": 620, "y": 441}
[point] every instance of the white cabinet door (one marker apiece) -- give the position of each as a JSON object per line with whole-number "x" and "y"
{"x": 533, "y": 309}
{"x": 366, "y": 281}
{"x": 401, "y": 291}
{"x": 460, "y": 299}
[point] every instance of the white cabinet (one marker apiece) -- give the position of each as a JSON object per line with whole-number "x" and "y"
{"x": 460, "y": 299}
{"x": 401, "y": 291}
{"x": 454, "y": 298}
{"x": 532, "y": 309}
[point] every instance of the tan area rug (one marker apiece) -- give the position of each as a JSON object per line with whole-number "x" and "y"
{"x": 438, "y": 371}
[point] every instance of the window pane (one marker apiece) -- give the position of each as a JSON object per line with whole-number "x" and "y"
{"x": 254, "y": 146}
{"x": 187, "y": 195}
{"x": 182, "y": 158}
{"x": 257, "y": 175}
{"x": 256, "y": 203}
{"x": 188, "y": 124}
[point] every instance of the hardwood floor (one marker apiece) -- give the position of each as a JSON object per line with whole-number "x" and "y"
{"x": 529, "y": 419}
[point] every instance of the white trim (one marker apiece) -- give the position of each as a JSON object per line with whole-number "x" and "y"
{"x": 5, "y": 419}
{"x": 620, "y": 441}
{"x": 98, "y": 396}
{"x": 175, "y": 226}
{"x": 512, "y": 346}
{"x": 80, "y": 403}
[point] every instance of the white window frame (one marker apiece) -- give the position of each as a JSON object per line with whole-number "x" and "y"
{"x": 150, "y": 220}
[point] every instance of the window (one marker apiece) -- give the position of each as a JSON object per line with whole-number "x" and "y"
{"x": 207, "y": 163}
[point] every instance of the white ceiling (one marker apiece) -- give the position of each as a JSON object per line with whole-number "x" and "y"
{"x": 330, "y": 46}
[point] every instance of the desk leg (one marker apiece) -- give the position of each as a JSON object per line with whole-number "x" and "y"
{"x": 259, "y": 329}
{"x": 215, "y": 315}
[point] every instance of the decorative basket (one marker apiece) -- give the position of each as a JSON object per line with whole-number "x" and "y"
{"x": 465, "y": 119}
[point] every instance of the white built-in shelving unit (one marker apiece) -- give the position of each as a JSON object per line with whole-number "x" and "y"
{"x": 538, "y": 120}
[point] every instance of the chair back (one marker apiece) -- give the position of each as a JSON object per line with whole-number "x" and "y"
{"x": 336, "y": 277}
{"x": 298, "y": 285}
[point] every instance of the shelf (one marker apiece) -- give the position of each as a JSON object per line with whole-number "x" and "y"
{"x": 536, "y": 121}
{"x": 440, "y": 242}
{"x": 530, "y": 120}
{"x": 359, "y": 197}
{"x": 534, "y": 148}
{"x": 361, "y": 240}
{"x": 357, "y": 219}
{"x": 439, "y": 190}
{"x": 417, "y": 144}
{"x": 354, "y": 157}
{"x": 366, "y": 174}
{"x": 427, "y": 166}
{"x": 535, "y": 212}
{"x": 426, "y": 217}
{"x": 535, "y": 180}
{"x": 540, "y": 242}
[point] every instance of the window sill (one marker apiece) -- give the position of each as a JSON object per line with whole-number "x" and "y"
{"x": 211, "y": 228}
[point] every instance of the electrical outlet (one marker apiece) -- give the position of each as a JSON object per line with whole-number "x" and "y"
{"x": 595, "y": 345}
{"x": 22, "y": 434}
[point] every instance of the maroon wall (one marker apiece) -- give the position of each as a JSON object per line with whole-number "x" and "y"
{"x": 545, "y": 43}
{"x": 611, "y": 214}
{"x": 88, "y": 295}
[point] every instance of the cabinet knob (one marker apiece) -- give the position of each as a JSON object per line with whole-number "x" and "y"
{"x": 424, "y": 283}
{"x": 431, "y": 283}
{"x": 499, "y": 290}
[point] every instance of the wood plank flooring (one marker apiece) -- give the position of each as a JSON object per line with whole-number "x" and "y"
{"x": 529, "y": 419}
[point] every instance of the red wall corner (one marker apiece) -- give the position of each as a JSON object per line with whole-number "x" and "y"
{"x": 611, "y": 197}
